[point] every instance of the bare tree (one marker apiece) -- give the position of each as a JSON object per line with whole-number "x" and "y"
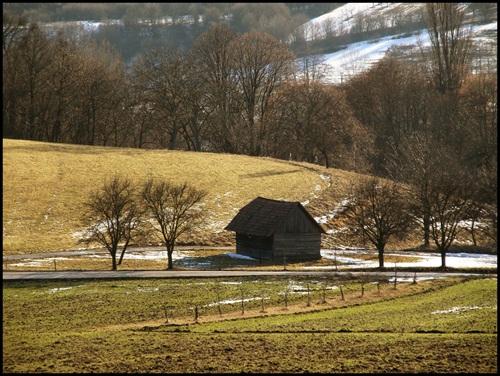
{"x": 476, "y": 129}
{"x": 114, "y": 217}
{"x": 311, "y": 121}
{"x": 379, "y": 209}
{"x": 174, "y": 210}
{"x": 29, "y": 68}
{"x": 162, "y": 75}
{"x": 100, "y": 75}
{"x": 486, "y": 10}
{"x": 13, "y": 26}
{"x": 450, "y": 45}
{"x": 261, "y": 64}
{"x": 451, "y": 201}
{"x": 412, "y": 162}
{"x": 211, "y": 55}
{"x": 392, "y": 101}
{"x": 64, "y": 87}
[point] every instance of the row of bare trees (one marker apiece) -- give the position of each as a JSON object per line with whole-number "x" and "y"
{"x": 244, "y": 94}
{"x": 441, "y": 204}
{"x": 119, "y": 212}
{"x": 435, "y": 128}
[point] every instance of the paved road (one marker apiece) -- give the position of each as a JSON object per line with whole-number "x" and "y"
{"x": 132, "y": 274}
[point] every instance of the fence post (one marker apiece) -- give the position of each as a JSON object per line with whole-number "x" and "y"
{"x": 242, "y": 303}
{"x": 308, "y": 296}
{"x": 165, "y": 309}
{"x": 286, "y": 296}
{"x": 395, "y": 275}
{"x": 218, "y": 300}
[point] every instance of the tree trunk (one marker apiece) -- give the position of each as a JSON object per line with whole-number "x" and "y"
{"x": 443, "y": 258}
{"x": 113, "y": 258}
{"x": 380, "y": 249}
{"x": 170, "y": 251}
{"x": 427, "y": 235}
{"x": 123, "y": 252}
{"x": 473, "y": 233}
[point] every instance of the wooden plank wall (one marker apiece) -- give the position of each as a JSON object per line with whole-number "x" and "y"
{"x": 297, "y": 246}
{"x": 297, "y": 222}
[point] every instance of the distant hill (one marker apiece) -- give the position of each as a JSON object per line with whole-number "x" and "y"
{"x": 349, "y": 37}
{"x": 354, "y": 36}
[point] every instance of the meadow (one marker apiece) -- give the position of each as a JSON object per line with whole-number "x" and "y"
{"x": 45, "y": 186}
{"x": 263, "y": 324}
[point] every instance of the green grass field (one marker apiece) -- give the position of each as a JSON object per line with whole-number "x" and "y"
{"x": 439, "y": 326}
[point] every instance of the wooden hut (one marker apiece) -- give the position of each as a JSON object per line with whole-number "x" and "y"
{"x": 276, "y": 230}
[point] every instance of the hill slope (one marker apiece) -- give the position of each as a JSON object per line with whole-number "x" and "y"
{"x": 45, "y": 186}
{"x": 357, "y": 57}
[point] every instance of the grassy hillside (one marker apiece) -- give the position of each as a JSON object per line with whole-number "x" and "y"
{"x": 45, "y": 186}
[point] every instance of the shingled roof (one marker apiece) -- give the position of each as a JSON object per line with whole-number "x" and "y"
{"x": 263, "y": 217}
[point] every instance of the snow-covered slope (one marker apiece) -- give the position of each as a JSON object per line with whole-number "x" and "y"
{"x": 357, "y": 57}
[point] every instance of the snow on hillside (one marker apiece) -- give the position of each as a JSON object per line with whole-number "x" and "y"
{"x": 343, "y": 18}
{"x": 358, "y": 57}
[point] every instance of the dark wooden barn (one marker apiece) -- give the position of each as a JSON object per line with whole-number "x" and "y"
{"x": 276, "y": 230}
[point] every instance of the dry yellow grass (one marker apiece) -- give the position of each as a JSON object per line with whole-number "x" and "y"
{"x": 45, "y": 186}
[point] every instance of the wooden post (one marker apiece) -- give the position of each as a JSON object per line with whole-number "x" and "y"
{"x": 196, "y": 313}
{"x": 218, "y": 301}
{"x": 395, "y": 275}
{"x": 242, "y": 303}
{"x": 286, "y": 297}
{"x": 342, "y": 292}
{"x": 308, "y": 296}
{"x": 165, "y": 309}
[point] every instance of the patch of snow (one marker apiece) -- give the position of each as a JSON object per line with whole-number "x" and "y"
{"x": 456, "y": 310}
{"x": 232, "y": 301}
{"x": 332, "y": 214}
{"x": 51, "y": 291}
{"x": 422, "y": 259}
{"x": 237, "y": 256}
